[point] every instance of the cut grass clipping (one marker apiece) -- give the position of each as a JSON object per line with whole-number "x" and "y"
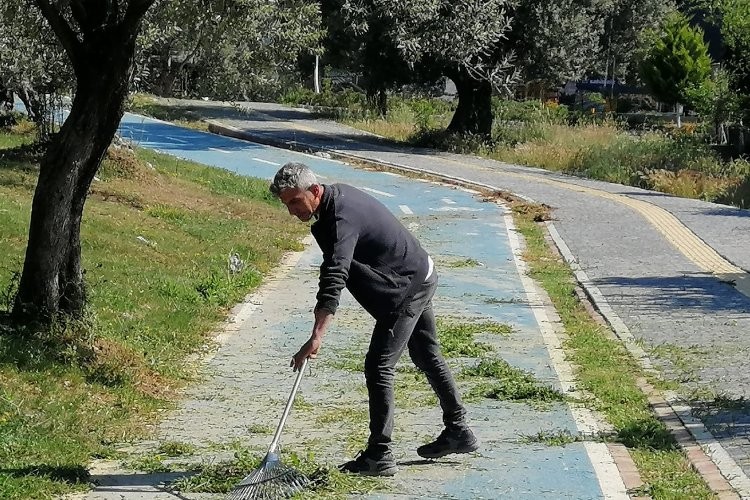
{"x": 509, "y": 383}
{"x": 457, "y": 338}
{"x": 607, "y": 371}
{"x": 157, "y": 237}
{"x": 327, "y": 482}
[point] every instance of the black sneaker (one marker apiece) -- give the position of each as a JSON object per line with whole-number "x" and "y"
{"x": 370, "y": 464}
{"x": 450, "y": 441}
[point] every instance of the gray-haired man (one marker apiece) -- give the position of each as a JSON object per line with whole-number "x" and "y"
{"x": 367, "y": 250}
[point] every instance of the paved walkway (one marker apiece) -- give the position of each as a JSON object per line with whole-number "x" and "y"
{"x": 248, "y": 380}
{"x": 666, "y": 271}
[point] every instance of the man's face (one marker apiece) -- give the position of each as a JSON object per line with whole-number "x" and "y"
{"x": 302, "y": 203}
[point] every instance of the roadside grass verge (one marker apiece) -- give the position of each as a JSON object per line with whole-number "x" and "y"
{"x": 183, "y": 116}
{"x": 156, "y": 243}
{"x": 607, "y": 372}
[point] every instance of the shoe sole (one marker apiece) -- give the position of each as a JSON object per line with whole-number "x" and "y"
{"x": 466, "y": 449}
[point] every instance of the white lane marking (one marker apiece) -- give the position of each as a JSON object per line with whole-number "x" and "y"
{"x": 393, "y": 174}
{"x": 472, "y": 234}
{"x": 448, "y": 201}
{"x": 405, "y": 209}
{"x": 175, "y": 139}
{"x": 587, "y": 422}
{"x": 220, "y": 151}
{"x": 268, "y": 162}
{"x": 375, "y": 191}
{"x": 456, "y": 209}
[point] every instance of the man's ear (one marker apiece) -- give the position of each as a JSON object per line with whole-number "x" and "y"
{"x": 316, "y": 190}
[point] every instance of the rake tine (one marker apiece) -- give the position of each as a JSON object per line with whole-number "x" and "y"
{"x": 273, "y": 479}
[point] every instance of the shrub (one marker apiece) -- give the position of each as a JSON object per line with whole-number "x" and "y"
{"x": 527, "y": 111}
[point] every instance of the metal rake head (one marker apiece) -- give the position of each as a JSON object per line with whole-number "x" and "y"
{"x": 271, "y": 480}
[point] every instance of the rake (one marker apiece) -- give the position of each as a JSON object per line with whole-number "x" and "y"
{"x": 273, "y": 479}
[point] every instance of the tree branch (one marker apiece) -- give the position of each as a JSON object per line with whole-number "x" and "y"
{"x": 62, "y": 29}
{"x": 136, "y": 10}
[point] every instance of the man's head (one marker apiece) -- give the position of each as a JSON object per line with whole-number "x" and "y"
{"x": 296, "y": 186}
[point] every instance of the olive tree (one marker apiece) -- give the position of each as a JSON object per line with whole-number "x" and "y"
{"x": 33, "y": 64}
{"x": 461, "y": 40}
{"x": 98, "y": 37}
{"x": 224, "y": 48}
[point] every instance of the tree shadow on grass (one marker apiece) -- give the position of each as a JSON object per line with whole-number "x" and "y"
{"x": 72, "y": 474}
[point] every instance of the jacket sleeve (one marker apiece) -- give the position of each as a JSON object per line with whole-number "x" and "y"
{"x": 334, "y": 271}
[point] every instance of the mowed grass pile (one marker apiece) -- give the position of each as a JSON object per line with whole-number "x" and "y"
{"x": 157, "y": 235}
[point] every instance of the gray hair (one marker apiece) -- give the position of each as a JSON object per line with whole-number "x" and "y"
{"x": 293, "y": 175}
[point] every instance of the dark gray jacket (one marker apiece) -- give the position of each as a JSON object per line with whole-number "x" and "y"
{"x": 366, "y": 249}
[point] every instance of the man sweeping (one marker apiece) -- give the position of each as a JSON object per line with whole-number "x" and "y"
{"x": 367, "y": 250}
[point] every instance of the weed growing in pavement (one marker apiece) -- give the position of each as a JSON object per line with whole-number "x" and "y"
{"x": 259, "y": 429}
{"x": 151, "y": 464}
{"x": 683, "y": 362}
{"x": 504, "y": 300}
{"x": 342, "y": 414}
{"x": 607, "y": 371}
{"x": 458, "y": 263}
{"x": 347, "y": 360}
{"x": 176, "y": 449}
{"x": 183, "y": 116}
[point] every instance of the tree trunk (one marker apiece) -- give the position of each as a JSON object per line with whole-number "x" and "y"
{"x": 52, "y": 279}
{"x": 474, "y": 112}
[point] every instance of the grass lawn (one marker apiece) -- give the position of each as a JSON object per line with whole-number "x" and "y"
{"x": 157, "y": 236}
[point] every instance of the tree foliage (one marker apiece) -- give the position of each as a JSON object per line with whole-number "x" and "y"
{"x": 556, "y": 41}
{"x": 461, "y": 40}
{"x": 225, "y": 48}
{"x": 98, "y": 37}
{"x": 733, "y": 20}
{"x": 677, "y": 61}
{"x": 561, "y": 40}
{"x": 32, "y": 62}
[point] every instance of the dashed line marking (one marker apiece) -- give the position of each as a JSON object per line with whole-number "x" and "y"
{"x": 406, "y": 210}
{"x": 448, "y": 201}
{"x": 218, "y": 150}
{"x": 267, "y": 162}
{"x": 175, "y": 139}
{"x": 375, "y": 191}
{"x": 456, "y": 209}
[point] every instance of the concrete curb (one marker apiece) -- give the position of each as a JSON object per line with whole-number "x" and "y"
{"x": 692, "y": 437}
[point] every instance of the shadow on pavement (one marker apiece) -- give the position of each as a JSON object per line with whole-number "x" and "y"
{"x": 727, "y": 418}
{"x": 699, "y": 293}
